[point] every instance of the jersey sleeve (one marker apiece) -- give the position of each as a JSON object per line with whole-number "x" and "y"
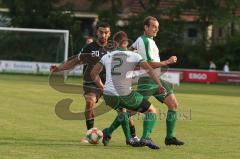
{"x": 139, "y": 58}
{"x": 135, "y": 44}
{"x": 135, "y": 57}
{"x": 84, "y": 54}
{"x": 102, "y": 61}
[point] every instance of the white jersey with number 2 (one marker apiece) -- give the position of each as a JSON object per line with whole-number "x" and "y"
{"x": 117, "y": 64}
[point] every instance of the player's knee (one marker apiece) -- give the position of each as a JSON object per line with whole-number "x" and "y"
{"x": 90, "y": 101}
{"x": 152, "y": 109}
{"x": 122, "y": 110}
{"x": 173, "y": 105}
{"x": 131, "y": 112}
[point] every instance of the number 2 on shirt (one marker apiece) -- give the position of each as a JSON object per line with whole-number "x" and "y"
{"x": 119, "y": 62}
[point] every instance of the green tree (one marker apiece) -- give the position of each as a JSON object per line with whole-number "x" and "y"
{"x": 208, "y": 12}
{"x": 228, "y": 51}
{"x": 218, "y": 13}
{"x": 1, "y": 3}
{"x": 110, "y": 15}
{"x": 37, "y": 14}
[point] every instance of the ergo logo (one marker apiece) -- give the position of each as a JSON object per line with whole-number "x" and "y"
{"x": 198, "y": 76}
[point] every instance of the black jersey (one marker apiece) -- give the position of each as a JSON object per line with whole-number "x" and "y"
{"x": 91, "y": 54}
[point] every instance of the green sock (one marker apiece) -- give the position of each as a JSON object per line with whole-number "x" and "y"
{"x": 123, "y": 117}
{"x": 171, "y": 122}
{"x": 148, "y": 124}
{"x": 115, "y": 124}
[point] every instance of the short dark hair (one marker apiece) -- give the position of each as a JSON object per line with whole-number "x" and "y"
{"x": 148, "y": 19}
{"x": 102, "y": 24}
{"x": 120, "y": 36}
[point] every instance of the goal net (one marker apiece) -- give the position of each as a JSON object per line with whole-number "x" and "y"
{"x": 32, "y": 50}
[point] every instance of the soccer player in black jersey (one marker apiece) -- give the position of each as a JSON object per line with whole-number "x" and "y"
{"x": 89, "y": 56}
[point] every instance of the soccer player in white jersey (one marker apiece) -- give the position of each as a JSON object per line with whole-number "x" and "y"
{"x": 147, "y": 48}
{"x": 117, "y": 91}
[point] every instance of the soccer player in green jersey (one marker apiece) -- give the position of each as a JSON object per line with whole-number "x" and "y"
{"x": 117, "y": 91}
{"x": 147, "y": 48}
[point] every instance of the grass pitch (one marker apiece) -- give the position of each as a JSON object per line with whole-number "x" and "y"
{"x": 208, "y": 121}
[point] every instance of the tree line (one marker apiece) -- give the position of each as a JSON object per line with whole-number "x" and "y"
{"x": 219, "y": 13}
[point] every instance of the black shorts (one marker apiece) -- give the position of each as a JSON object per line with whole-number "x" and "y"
{"x": 144, "y": 106}
{"x": 91, "y": 87}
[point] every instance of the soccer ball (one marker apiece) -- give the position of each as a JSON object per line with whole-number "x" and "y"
{"x": 94, "y": 136}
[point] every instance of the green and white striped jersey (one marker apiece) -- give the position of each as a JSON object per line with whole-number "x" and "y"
{"x": 147, "y": 48}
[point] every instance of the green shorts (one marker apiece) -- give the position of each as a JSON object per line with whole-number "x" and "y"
{"x": 148, "y": 88}
{"x": 134, "y": 101}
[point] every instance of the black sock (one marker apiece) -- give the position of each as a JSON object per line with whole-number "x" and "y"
{"x": 90, "y": 123}
{"x": 132, "y": 130}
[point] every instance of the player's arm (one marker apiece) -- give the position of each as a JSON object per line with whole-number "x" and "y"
{"x": 131, "y": 48}
{"x": 153, "y": 76}
{"x": 171, "y": 60}
{"x": 97, "y": 69}
{"x": 69, "y": 64}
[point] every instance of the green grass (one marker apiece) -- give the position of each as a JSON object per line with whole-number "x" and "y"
{"x": 29, "y": 128}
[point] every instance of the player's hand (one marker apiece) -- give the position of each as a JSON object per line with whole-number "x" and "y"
{"x": 162, "y": 90}
{"x": 53, "y": 68}
{"x": 172, "y": 59}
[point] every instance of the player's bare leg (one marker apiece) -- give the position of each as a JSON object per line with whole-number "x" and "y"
{"x": 172, "y": 105}
{"x": 90, "y": 99}
{"x": 132, "y": 126}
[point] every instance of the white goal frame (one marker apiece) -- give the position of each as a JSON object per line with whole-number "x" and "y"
{"x": 65, "y": 33}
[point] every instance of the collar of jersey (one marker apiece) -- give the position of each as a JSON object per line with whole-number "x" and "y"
{"x": 147, "y": 36}
{"x": 121, "y": 49}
